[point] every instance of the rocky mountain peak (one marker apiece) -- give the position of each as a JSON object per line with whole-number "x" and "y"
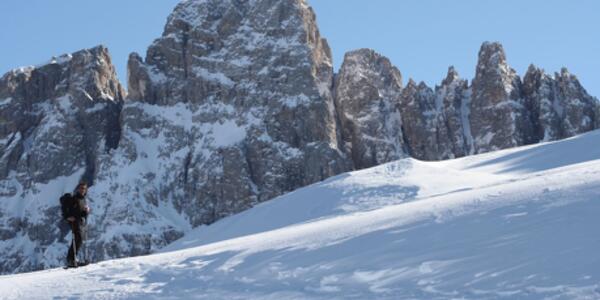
{"x": 570, "y": 81}
{"x": 366, "y": 64}
{"x": 78, "y": 95}
{"x": 534, "y": 78}
{"x": 89, "y": 72}
{"x": 533, "y": 68}
{"x": 499, "y": 115}
{"x": 411, "y": 84}
{"x": 564, "y": 72}
{"x": 367, "y": 90}
{"x": 451, "y": 76}
{"x": 422, "y": 85}
{"x": 492, "y": 59}
{"x": 104, "y": 82}
{"x": 493, "y": 76}
{"x": 235, "y": 38}
{"x": 57, "y": 122}
{"x": 533, "y": 72}
{"x": 231, "y": 106}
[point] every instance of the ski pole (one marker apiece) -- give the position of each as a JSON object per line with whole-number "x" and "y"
{"x": 85, "y": 247}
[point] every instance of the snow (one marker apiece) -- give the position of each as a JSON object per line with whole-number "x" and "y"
{"x": 86, "y": 94}
{"x": 23, "y": 70}
{"x": 58, "y": 60}
{"x": 222, "y": 133}
{"x": 558, "y": 108}
{"x": 513, "y": 224}
{"x": 6, "y": 101}
{"x": 214, "y": 77}
{"x": 486, "y": 139}
{"x": 243, "y": 61}
{"x": 62, "y": 59}
{"x": 52, "y": 190}
{"x": 65, "y": 104}
{"x": 295, "y": 101}
{"x": 465, "y": 112}
{"x": 96, "y": 108}
{"x": 227, "y": 133}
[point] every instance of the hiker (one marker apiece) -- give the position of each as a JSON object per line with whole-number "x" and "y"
{"x": 75, "y": 211}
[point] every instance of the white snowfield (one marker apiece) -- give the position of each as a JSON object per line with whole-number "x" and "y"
{"x": 515, "y": 224}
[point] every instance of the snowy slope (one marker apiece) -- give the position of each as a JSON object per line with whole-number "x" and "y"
{"x": 515, "y": 224}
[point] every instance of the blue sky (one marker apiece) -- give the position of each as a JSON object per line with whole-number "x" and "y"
{"x": 421, "y": 37}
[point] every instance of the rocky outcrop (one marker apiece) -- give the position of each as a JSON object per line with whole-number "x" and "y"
{"x": 436, "y": 122}
{"x": 499, "y": 117}
{"x": 560, "y": 106}
{"x": 433, "y": 119}
{"x": 454, "y": 94}
{"x": 421, "y": 120}
{"x": 232, "y": 106}
{"x": 380, "y": 121}
{"x": 56, "y": 120}
{"x": 367, "y": 90}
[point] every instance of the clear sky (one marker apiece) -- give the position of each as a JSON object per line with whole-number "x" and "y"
{"x": 421, "y": 37}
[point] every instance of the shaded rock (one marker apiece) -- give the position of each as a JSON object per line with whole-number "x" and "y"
{"x": 560, "y": 106}
{"x": 499, "y": 117}
{"x": 455, "y": 97}
{"x": 367, "y": 92}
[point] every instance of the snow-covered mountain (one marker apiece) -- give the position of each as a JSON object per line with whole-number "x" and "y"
{"x": 235, "y": 104}
{"x": 514, "y": 224}
{"x": 58, "y": 121}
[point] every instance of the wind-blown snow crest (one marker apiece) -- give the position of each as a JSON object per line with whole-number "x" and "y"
{"x": 513, "y": 224}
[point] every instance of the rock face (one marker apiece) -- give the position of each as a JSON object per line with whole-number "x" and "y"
{"x": 454, "y": 95}
{"x": 497, "y": 111}
{"x": 382, "y": 122}
{"x": 56, "y": 121}
{"x": 367, "y": 90}
{"x": 499, "y": 115}
{"x": 561, "y": 107}
{"x": 421, "y": 120}
{"x": 233, "y": 105}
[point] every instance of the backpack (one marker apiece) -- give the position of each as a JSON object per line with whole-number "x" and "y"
{"x": 64, "y": 204}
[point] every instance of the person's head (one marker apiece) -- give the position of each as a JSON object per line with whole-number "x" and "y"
{"x": 82, "y": 188}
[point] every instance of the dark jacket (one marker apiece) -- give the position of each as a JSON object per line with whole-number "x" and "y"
{"x": 74, "y": 206}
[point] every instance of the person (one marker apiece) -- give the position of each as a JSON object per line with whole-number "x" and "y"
{"x": 75, "y": 211}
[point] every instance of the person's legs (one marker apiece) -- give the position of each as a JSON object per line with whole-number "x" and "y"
{"x": 74, "y": 249}
{"x": 78, "y": 239}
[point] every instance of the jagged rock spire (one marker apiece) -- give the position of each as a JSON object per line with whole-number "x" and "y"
{"x": 453, "y": 95}
{"x": 420, "y": 120}
{"x": 367, "y": 90}
{"x": 451, "y": 76}
{"x": 499, "y": 118}
{"x": 559, "y": 105}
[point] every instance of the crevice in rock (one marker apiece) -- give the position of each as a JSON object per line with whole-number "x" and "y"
{"x": 114, "y": 126}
